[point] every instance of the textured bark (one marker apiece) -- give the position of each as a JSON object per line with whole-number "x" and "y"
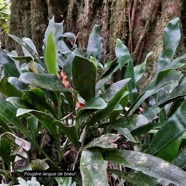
{"x": 39, "y": 17}
{"x": 20, "y": 22}
{"x": 138, "y": 23}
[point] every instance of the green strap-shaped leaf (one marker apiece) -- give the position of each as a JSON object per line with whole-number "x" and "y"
{"x": 172, "y": 78}
{"x": 4, "y": 125}
{"x": 9, "y": 66}
{"x": 19, "y": 102}
{"x": 30, "y": 43}
{"x": 133, "y": 122}
{"x": 139, "y": 70}
{"x": 69, "y": 61}
{"x": 175, "y": 64}
{"x": 92, "y": 105}
{"x": 37, "y": 98}
{"x": 8, "y": 90}
{"x": 27, "y": 47}
{"x": 100, "y": 114}
{"x": 147, "y": 164}
{"x": 17, "y": 84}
{"x": 95, "y": 42}
{"x": 180, "y": 159}
{"x": 5, "y": 151}
{"x": 84, "y": 75}
{"x": 114, "y": 89}
{"x": 107, "y": 75}
{"x": 44, "y": 118}
{"x": 126, "y": 133}
{"x": 124, "y": 58}
{"x": 70, "y": 131}
{"x": 57, "y": 31}
{"x": 50, "y": 55}
{"x": 171, "y": 130}
{"x": 170, "y": 151}
{"x": 8, "y": 111}
{"x": 93, "y": 169}
{"x": 136, "y": 178}
{"x": 104, "y": 141}
{"x": 45, "y": 81}
{"x": 179, "y": 91}
{"x": 33, "y": 125}
{"x": 171, "y": 40}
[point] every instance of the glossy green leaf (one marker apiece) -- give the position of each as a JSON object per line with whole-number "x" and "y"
{"x": 169, "y": 79}
{"x": 95, "y": 42}
{"x": 124, "y": 58}
{"x": 37, "y": 98}
{"x": 70, "y": 131}
{"x": 121, "y": 50}
{"x": 45, "y": 81}
{"x": 139, "y": 70}
{"x": 93, "y": 104}
{"x": 106, "y": 77}
{"x": 22, "y": 58}
{"x": 171, "y": 40}
{"x": 57, "y": 29}
{"x": 33, "y": 126}
{"x": 170, "y": 151}
{"x": 50, "y": 55}
{"x": 180, "y": 159}
{"x": 113, "y": 116}
{"x": 8, "y": 111}
{"x": 8, "y": 90}
{"x": 18, "y": 102}
{"x": 8, "y": 65}
{"x": 114, "y": 89}
{"x": 84, "y": 75}
{"x": 112, "y": 104}
{"x": 165, "y": 92}
{"x": 179, "y": 91}
{"x": 136, "y": 178}
{"x": 171, "y": 130}
{"x": 104, "y": 141}
{"x": 69, "y": 61}
{"x": 64, "y": 49}
{"x": 4, "y": 125}
{"x": 5, "y": 151}
{"x": 30, "y": 43}
{"x": 93, "y": 169}
{"x": 133, "y": 122}
{"x": 147, "y": 164}
{"x": 175, "y": 64}
{"x": 44, "y": 118}
{"x": 17, "y": 84}
{"x": 126, "y": 133}
{"x": 27, "y": 47}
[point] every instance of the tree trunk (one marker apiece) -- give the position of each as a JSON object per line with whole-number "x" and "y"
{"x": 20, "y": 22}
{"x": 138, "y": 23}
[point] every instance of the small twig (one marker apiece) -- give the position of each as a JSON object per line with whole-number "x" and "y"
{"x": 141, "y": 39}
{"x": 76, "y": 38}
{"x": 83, "y": 137}
{"x": 66, "y": 116}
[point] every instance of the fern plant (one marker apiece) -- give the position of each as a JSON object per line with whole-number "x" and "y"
{"x": 60, "y": 110}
